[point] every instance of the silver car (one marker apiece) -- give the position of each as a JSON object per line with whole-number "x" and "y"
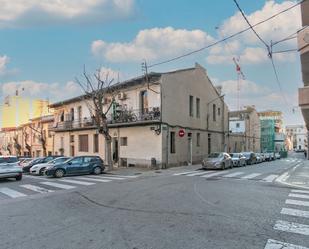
{"x": 238, "y": 159}
{"x": 217, "y": 160}
{"x": 9, "y": 168}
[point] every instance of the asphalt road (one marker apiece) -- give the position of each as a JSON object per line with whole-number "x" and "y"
{"x": 238, "y": 208}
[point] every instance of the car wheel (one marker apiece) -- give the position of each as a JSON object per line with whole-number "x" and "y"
{"x": 97, "y": 170}
{"x": 41, "y": 172}
{"x": 59, "y": 173}
{"x": 18, "y": 178}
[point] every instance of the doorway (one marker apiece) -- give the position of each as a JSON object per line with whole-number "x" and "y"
{"x": 115, "y": 154}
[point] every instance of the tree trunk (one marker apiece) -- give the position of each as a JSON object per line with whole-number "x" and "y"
{"x": 108, "y": 153}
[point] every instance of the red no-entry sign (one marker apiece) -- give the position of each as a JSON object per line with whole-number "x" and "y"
{"x": 181, "y": 133}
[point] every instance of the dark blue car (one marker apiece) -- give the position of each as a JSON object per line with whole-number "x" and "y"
{"x": 77, "y": 166}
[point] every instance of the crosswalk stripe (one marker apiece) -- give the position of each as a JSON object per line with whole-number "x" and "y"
{"x": 76, "y": 182}
{"x": 296, "y": 202}
{"x": 214, "y": 174}
{"x": 11, "y": 193}
{"x": 250, "y": 176}
{"x": 300, "y": 191}
{"x": 234, "y": 174}
{"x": 269, "y": 178}
{"x": 299, "y": 196}
{"x": 36, "y": 188}
{"x": 184, "y": 173}
{"x": 124, "y": 176}
{"x": 106, "y": 177}
{"x": 292, "y": 227}
{"x": 275, "y": 244}
{"x": 92, "y": 179}
{"x": 295, "y": 212}
{"x": 57, "y": 185}
{"x": 199, "y": 173}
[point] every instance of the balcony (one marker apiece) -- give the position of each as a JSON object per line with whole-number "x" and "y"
{"x": 118, "y": 118}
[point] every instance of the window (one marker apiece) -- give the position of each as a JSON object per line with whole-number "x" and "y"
{"x": 77, "y": 160}
{"x": 72, "y": 138}
{"x": 172, "y": 143}
{"x": 198, "y": 107}
{"x": 95, "y": 143}
{"x": 219, "y": 111}
{"x": 214, "y": 112}
{"x": 191, "y": 106}
{"x": 123, "y": 141}
{"x": 198, "y": 139}
{"x": 83, "y": 143}
{"x": 237, "y": 125}
{"x": 144, "y": 101}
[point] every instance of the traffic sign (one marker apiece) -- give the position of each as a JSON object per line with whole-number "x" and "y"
{"x": 181, "y": 133}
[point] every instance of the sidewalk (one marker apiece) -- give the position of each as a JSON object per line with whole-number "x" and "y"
{"x": 298, "y": 176}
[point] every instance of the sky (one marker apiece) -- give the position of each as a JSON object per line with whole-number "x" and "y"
{"x": 44, "y": 46}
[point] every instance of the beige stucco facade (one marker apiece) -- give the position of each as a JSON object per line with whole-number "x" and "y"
{"x": 180, "y": 100}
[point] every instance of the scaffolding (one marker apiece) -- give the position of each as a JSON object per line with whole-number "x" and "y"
{"x": 267, "y": 135}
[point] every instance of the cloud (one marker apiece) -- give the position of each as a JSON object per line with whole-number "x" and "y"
{"x": 20, "y": 13}
{"x": 151, "y": 44}
{"x": 247, "y": 46}
{"x": 4, "y": 60}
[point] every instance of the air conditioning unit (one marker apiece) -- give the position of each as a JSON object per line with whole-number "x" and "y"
{"x": 122, "y": 96}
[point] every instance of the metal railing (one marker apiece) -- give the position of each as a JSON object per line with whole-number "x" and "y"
{"x": 120, "y": 116}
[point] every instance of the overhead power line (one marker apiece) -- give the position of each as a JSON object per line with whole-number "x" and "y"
{"x": 226, "y": 38}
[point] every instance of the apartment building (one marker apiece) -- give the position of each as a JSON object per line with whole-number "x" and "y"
{"x": 166, "y": 119}
{"x": 297, "y": 137}
{"x": 244, "y": 130}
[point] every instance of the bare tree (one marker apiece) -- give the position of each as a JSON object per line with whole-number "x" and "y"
{"x": 17, "y": 145}
{"x": 96, "y": 89}
{"x": 26, "y": 138}
{"x": 40, "y": 134}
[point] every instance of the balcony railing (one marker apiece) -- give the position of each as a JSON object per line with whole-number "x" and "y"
{"x": 122, "y": 116}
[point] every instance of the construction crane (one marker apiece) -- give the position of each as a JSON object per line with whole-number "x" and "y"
{"x": 240, "y": 76}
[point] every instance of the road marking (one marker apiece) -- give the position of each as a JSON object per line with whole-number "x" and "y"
{"x": 299, "y": 196}
{"x": 234, "y": 174}
{"x": 123, "y": 176}
{"x": 250, "y": 176}
{"x": 184, "y": 173}
{"x": 36, "y": 188}
{"x": 296, "y": 202}
{"x": 269, "y": 178}
{"x": 275, "y": 244}
{"x": 92, "y": 179}
{"x": 295, "y": 212}
{"x": 76, "y": 182}
{"x": 11, "y": 193}
{"x": 292, "y": 227}
{"x": 57, "y": 185}
{"x": 106, "y": 177}
{"x": 300, "y": 191}
{"x": 199, "y": 173}
{"x": 214, "y": 174}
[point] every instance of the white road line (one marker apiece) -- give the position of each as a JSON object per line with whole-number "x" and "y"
{"x": 214, "y": 174}
{"x": 292, "y": 227}
{"x": 295, "y": 212}
{"x": 36, "y": 188}
{"x": 76, "y": 182}
{"x": 11, "y": 193}
{"x": 199, "y": 173}
{"x": 299, "y": 196}
{"x": 92, "y": 179}
{"x": 269, "y": 178}
{"x": 296, "y": 202}
{"x": 275, "y": 244}
{"x": 57, "y": 185}
{"x": 124, "y": 176}
{"x": 106, "y": 177}
{"x": 184, "y": 173}
{"x": 234, "y": 174}
{"x": 300, "y": 191}
{"x": 250, "y": 176}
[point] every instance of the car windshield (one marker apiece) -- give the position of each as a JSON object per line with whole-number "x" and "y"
{"x": 8, "y": 160}
{"x": 234, "y": 155}
{"x": 215, "y": 155}
{"x": 59, "y": 160}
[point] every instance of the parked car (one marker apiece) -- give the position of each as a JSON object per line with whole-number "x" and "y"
{"x": 263, "y": 157}
{"x": 25, "y": 161}
{"x": 259, "y": 158}
{"x": 267, "y": 157}
{"x": 38, "y": 169}
{"x": 238, "y": 159}
{"x": 277, "y": 155}
{"x": 38, "y": 160}
{"x": 250, "y": 158}
{"x": 218, "y": 160}
{"x": 272, "y": 156}
{"x": 9, "y": 168}
{"x": 76, "y": 166}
